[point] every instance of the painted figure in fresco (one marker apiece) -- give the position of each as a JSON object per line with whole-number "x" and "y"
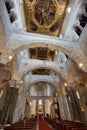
{"x": 45, "y": 12}
{"x": 61, "y": 1}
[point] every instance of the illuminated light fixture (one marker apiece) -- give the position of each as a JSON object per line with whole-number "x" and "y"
{"x": 10, "y": 57}
{"x": 56, "y": 52}
{"x": 50, "y": 102}
{"x": 56, "y": 94}
{"x": 80, "y": 65}
{"x": 69, "y": 9}
{"x": 65, "y": 84}
{"x": 21, "y": 81}
{"x": 30, "y": 103}
{"x": 61, "y": 36}
{"x": 82, "y": 109}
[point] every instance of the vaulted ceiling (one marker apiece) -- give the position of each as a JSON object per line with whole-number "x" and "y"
{"x": 45, "y": 16}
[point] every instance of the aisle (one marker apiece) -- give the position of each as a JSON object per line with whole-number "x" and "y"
{"x": 43, "y": 125}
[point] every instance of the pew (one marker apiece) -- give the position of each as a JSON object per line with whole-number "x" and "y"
{"x": 79, "y": 128}
{"x": 30, "y": 124}
{"x": 66, "y": 125}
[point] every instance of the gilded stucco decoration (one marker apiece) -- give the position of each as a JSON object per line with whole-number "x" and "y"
{"x": 44, "y": 16}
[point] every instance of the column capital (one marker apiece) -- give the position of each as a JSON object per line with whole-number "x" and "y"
{"x": 14, "y": 84}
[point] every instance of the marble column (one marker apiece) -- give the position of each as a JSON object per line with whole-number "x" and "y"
{"x": 78, "y": 115}
{"x": 33, "y": 107}
{"x": 12, "y": 104}
{"x": 7, "y": 112}
{"x": 63, "y": 107}
{"x": 20, "y": 104}
{"x": 47, "y": 107}
{"x": 5, "y": 108}
{"x": 52, "y": 111}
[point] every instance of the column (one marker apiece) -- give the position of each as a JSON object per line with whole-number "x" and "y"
{"x": 78, "y": 115}
{"x": 12, "y": 104}
{"x": 5, "y": 108}
{"x": 63, "y": 107}
{"x": 20, "y": 104}
{"x": 7, "y": 112}
{"x": 52, "y": 111}
{"x": 33, "y": 107}
{"x": 47, "y": 107}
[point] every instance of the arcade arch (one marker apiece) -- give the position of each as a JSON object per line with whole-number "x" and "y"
{"x": 30, "y": 80}
{"x": 67, "y": 47}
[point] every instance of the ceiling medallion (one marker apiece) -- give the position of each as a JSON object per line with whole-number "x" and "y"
{"x": 45, "y": 12}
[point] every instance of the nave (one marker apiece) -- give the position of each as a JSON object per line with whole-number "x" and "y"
{"x": 43, "y": 64}
{"x": 45, "y": 123}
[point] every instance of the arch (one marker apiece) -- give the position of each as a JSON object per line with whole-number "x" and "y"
{"x": 29, "y": 79}
{"x": 53, "y": 86}
{"x": 29, "y": 40}
{"x": 58, "y": 69}
{"x": 47, "y": 81}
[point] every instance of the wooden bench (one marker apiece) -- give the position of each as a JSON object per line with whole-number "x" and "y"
{"x": 23, "y": 125}
{"x": 66, "y": 125}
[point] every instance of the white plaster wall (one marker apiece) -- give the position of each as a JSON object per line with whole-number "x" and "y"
{"x": 60, "y": 58}
{"x": 83, "y": 40}
{"x": 5, "y": 20}
{"x": 19, "y": 23}
{"x": 71, "y": 4}
{"x": 71, "y": 19}
{"x": 23, "y": 55}
{"x": 49, "y": 90}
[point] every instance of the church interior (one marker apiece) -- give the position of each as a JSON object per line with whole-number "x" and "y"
{"x": 43, "y": 63}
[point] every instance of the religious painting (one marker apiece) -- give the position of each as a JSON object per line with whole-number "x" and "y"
{"x": 45, "y": 12}
{"x": 30, "y": 0}
{"x": 33, "y": 26}
{"x": 61, "y": 7}
{"x": 54, "y": 27}
{"x": 61, "y": 1}
{"x": 45, "y": 16}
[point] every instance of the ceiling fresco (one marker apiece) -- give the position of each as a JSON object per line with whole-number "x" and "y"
{"x": 41, "y": 72}
{"x": 42, "y": 53}
{"x": 44, "y": 12}
{"x": 44, "y": 16}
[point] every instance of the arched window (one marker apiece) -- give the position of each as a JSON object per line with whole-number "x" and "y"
{"x": 77, "y": 30}
{"x": 83, "y": 20}
{"x": 9, "y": 6}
